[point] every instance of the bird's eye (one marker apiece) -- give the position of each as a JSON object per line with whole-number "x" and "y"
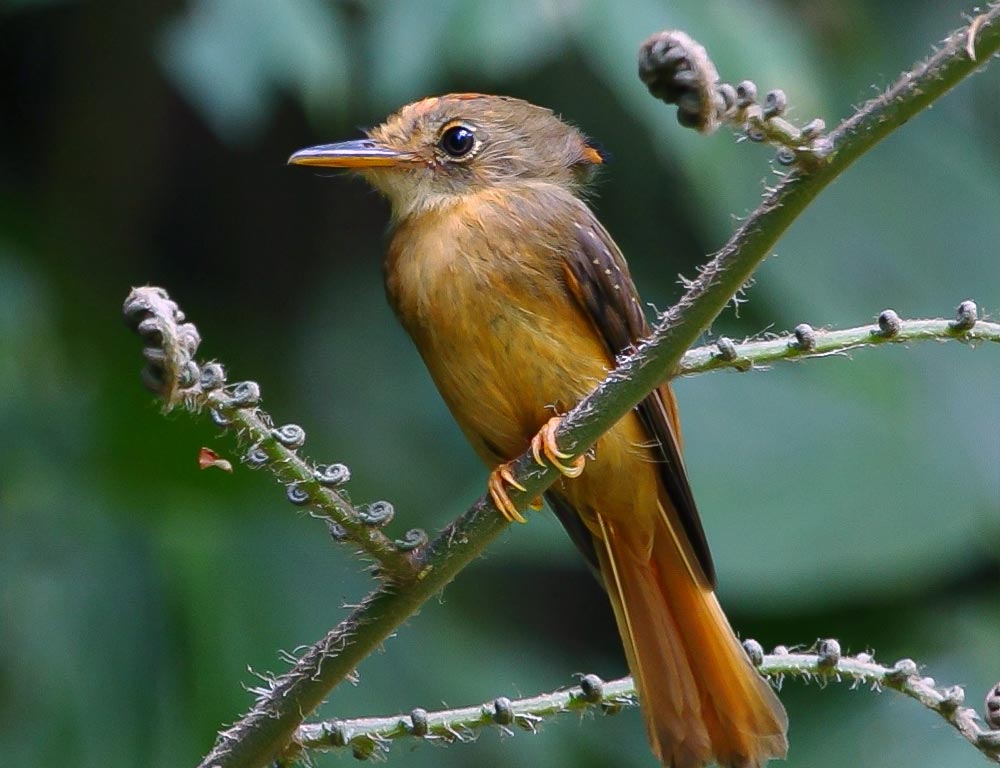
{"x": 457, "y": 141}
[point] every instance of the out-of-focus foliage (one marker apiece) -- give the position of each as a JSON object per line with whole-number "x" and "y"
{"x": 145, "y": 142}
{"x": 233, "y": 59}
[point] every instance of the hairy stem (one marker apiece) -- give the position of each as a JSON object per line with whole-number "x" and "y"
{"x": 180, "y": 381}
{"x": 266, "y": 730}
{"x": 807, "y": 342}
{"x": 367, "y": 736}
{"x": 721, "y": 279}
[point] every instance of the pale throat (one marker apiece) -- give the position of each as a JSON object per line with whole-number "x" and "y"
{"x": 412, "y": 193}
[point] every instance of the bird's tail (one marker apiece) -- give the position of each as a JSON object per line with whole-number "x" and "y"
{"x": 702, "y": 700}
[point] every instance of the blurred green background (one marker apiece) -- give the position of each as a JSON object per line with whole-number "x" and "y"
{"x": 855, "y": 497}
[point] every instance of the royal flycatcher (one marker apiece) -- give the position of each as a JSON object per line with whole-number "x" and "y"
{"x": 519, "y": 301}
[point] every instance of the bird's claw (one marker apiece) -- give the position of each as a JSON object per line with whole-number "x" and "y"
{"x": 545, "y": 450}
{"x": 544, "y": 444}
{"x": 501, "y": 477}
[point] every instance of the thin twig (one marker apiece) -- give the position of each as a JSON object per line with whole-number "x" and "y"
{"x": 807, "y": 342}
{"x": 237, "y": 406}
{"x": 266, "y": 730}
{"x": 370, "y": 735}
{"x": 678, "y": 71}
{"x": 173, "y": 373}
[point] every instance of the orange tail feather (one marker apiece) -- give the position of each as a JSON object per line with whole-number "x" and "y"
{"x": 702, "y": 700}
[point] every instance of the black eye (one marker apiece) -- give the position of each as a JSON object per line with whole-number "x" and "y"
{"x": 457, "y": 141}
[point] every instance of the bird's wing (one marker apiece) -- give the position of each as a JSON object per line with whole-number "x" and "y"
{"x": 598, "y": 278}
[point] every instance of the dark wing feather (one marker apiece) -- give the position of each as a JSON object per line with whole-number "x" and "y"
{"x": 598, "y": 277}
{"x": 577, "y": 530}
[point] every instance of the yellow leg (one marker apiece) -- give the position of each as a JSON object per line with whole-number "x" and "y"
{"x": 499, "y": 479}
{"x": 545, "y": 449}
{"x": 544, "y": 443}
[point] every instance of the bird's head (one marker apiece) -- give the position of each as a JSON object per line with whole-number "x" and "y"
{"x": 435, "y": 151}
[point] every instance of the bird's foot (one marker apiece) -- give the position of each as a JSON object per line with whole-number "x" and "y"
{"x": 500, "y": 478}
{"x": 544, "y": 443}
{"x": 545, "y": 449}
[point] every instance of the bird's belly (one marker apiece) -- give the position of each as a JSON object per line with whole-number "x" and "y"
{"x": 504, "y": 369}
{"x": 510, "y": 376}
{"x": 508, "y": 347}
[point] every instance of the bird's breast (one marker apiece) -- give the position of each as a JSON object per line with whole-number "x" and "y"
{"x": 484, "y": 299}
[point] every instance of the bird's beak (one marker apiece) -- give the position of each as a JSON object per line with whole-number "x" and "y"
{"x": 360, "y": 153}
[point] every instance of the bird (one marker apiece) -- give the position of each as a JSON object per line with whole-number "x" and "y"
{"x": 519, "y": 302}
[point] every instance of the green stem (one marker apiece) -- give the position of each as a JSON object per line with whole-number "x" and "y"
{"x": 729, "y": 270}
{"x": 366, "y": 736}
{"x": 821, "y": 343}
{"x": 173, "y": 374}
{"x": 268, "y": 728}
